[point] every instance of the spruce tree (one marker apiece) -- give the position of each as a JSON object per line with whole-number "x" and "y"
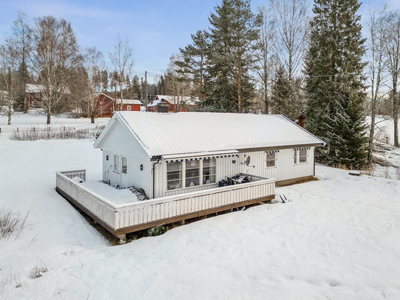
{"x": 335, "y": 83}
{"x": 280, "y": 92}
{"x": 104, "y": 81}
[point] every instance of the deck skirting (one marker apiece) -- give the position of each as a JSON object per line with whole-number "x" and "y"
{"x": 191, "y": 215}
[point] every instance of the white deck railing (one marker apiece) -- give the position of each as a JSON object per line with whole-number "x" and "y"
{"x": 148, "y": 211}
{"x": 96, "y": 204}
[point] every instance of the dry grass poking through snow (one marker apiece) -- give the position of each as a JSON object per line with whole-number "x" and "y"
{"x": 33, "y": 134}
{"x": 11, "y": 223}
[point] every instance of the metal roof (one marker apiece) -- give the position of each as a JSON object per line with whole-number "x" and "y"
{"x": 195, "y": 132}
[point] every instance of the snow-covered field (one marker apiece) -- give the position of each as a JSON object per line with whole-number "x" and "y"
{"x": 337, "y": 238}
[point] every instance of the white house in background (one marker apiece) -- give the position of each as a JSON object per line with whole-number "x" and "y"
{"x": 170, "y": 154}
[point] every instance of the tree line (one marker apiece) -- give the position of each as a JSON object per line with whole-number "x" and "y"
{"x": 297, "y": 62}
{"x": 46, "y": 53}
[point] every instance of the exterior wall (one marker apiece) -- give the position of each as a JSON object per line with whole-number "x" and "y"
{"x": 284, "y": 165}
{"x": 124, "y": 107}
{"x": 104, "y": 106}
{"x": 119, "y": 141}
{"x": 284, "y": 169}
{"x": 34, "y": 99}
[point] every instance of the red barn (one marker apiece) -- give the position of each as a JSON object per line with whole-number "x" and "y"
{"x": 104, "y": 105}
{"x": 128, "y": 105}
{"x": 33, "y": 94}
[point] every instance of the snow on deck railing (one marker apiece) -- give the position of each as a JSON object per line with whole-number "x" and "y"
{"x": 139, "y": 213}
{"x": 78, "y": 173}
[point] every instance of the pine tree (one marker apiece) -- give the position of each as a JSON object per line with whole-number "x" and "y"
{"x": 335, "y": 83}
{"x": 234, "y": 32}
{"x": 136, "y": 87}
{"x": 194, "y": 61}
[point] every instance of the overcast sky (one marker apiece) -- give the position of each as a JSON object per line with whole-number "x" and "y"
{"x": 155, "y": 28}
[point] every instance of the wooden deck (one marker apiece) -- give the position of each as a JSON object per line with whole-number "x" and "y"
{"x": 136, "y": 216}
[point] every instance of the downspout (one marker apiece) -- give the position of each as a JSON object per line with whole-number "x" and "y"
{"x": 154, "y": 175}
{"x": 314, "y": 163}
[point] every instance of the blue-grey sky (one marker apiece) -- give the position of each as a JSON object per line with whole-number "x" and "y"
{"x": 155, "y": 28}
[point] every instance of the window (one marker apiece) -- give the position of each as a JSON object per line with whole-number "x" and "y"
{"x": 124, "y": 165}
{"x": 209, "y": 171}
{"x": 295, "y": 156}
{"x": 116, "y": 163}
{"x": 174, "y": 175}
{"x": 270, "y": 160}
{"x": 192, "y": 173}
{"x": 128, "y": 107}
{"x": 303, "y": 156}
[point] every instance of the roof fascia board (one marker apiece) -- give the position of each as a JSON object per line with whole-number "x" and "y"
{"x": 323, "y": 143}
{"x": 278, "y": 147}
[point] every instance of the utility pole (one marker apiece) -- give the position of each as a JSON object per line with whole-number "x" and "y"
{"x": 116, "y": 104}
{"x": 145, "y": 86}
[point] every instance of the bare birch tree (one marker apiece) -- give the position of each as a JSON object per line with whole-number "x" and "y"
{"x": 266, "y": 54}
{"x": 8, "y": 78}
{"x": 93, "y": 63}
{"x": 122, "y": 61}
{"x": 177, "y": 83}
{"x": 54, "y": 60}
{"x": 376, "y": 64}
{"x": 292, "y": 23}
{"x": 21, "y": 40}
{"x": 392, "y": 45}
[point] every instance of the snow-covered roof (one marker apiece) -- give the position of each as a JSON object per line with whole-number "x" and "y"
{"x": 129, "y": 101}
{"x": 177, "y": 99}
{"x": 195, "y": 132}
{"x": 34, "y": 88}
{"x": 38, "y": 88}
{"x": 154, "y": 103}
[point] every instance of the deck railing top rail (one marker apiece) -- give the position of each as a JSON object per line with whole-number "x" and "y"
{"x": 198, "y": 193}
{"x": 68, "y": 175}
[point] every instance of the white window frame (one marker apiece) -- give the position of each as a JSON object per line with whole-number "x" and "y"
{"x": 303, "y": 156}
{"x": 270, "y": 160}
{"x": 116, "y": 163}
{"x": 124, "y": 170}
{"x": 128, "y": 107}
{"x": 296, "y": 156}
{"x": 183, "y": 169}
{"x": 214, "y": 174}
{"x": 189, "y": 168}
{"x": 180, "y": 180}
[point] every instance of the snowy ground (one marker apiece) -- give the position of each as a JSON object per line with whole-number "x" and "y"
{"x": 337, "y": 238}
{"x": 384, "y": 151}
{"x": 35, "y": 118}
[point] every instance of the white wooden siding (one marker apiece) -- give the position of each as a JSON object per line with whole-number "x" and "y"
{"x": 173, "y": 206}
{"x": 119, "y": 141}
{"x": 284, "y": 169}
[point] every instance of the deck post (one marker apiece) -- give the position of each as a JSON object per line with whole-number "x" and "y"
{"x": 122, "y": 238}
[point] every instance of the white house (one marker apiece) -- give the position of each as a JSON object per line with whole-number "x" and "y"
{"x": 170, "y": 154}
